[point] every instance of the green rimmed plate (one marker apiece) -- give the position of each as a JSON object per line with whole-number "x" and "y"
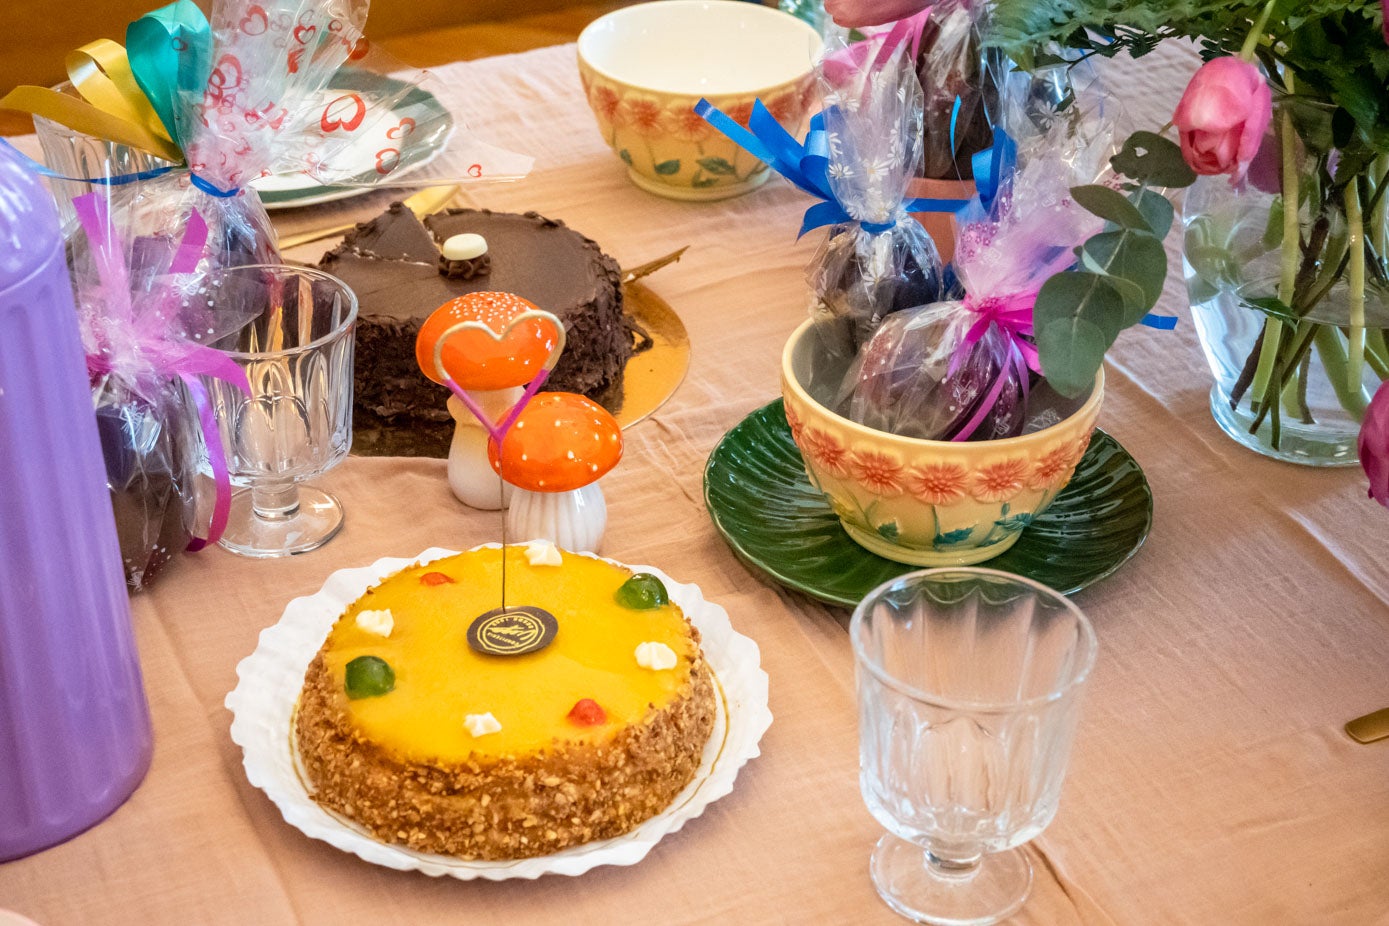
{"x": 761, "y": 501}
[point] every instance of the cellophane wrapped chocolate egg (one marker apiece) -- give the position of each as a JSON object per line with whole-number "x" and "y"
{"x": 902, "y": 381}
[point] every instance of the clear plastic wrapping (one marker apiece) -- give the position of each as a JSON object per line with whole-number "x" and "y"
{"x": 963, "y": 369}
{"x": 959, "y": 81}
{"x": 285, "y": 94}
{"x": 881, "y": 261}
{"x": 143, "y": 337}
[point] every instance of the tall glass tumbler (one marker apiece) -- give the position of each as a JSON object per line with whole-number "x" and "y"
{"x": 76, "y": 154}
{"x": 969, "y": 683}
{"x": 296, "y": 424}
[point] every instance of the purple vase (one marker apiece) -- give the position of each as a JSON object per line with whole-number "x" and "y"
{"x": 74, "y": 725}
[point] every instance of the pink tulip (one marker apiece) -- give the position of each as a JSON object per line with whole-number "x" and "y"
{"x": 1384, "y": 15}
{"x": 1374, "y": 445}
{"x": 1222, "y": 117}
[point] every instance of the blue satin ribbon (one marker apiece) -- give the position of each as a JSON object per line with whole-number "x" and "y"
{"x": 206, "y": 186}
{"x": 210, "y": 188}
{"x": 170, "y": 52}
{"x": 992, "y": 166}
{"x": 805, "y": 164}
{"x": 118, "y": 180}
{"x": 1159, "y": 322}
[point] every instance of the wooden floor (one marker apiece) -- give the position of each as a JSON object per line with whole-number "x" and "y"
{"x": 453, "y": 43}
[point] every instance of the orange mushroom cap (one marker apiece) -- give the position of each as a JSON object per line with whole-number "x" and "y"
{"x": 475, "y": 359}
{"x": 561, "y": 441}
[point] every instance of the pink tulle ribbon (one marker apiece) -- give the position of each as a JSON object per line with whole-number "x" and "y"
{"x": 1013, "y": 316}
{"x": 149, "y": 338}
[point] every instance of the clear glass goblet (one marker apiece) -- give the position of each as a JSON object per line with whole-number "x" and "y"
{"x": 296, "y": 424}
{"x": 968, "y": 689}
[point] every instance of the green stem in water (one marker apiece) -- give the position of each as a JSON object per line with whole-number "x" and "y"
{"x": 1334, "y": 360}
{"x": 1379, "y": 234}
{"x": 1377, "y": 353}
{"x": 1251, "y": 42}
{"x": 1294, "y": 383}
{"x": 1284, "y": 373}
{"x": 1355, "y": 366}
{"x": 1273, "y": 327}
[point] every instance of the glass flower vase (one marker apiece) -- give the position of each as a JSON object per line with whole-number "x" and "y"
{"x": 1292, "y": 308}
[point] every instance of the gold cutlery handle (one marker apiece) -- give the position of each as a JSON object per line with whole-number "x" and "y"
{"x": 1370, "y": 728}
{"x": 293, "y": 241}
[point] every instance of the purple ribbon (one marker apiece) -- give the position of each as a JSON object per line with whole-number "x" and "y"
{"x": 1012, "y": 314}
{"x": 149, "y": 337}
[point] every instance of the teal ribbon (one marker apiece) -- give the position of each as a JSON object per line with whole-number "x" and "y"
{"x": 805, "y": 164}
{"x": 170, "y": 51}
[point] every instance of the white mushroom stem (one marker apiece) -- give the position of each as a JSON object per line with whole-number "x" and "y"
{"x": 471, "y": 476}
{"x": 573, "y": 520}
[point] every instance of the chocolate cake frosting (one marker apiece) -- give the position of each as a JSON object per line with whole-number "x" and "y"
{"x": 394, "y": 265}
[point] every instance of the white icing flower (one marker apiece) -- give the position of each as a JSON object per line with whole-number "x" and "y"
{"x": 481, "y": 724}
{"x": 380, "y": 623}
{"x": 655, "y": 656}
{"x": 543, "y": 553}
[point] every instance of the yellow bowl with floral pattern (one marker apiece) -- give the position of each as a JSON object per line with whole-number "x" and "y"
{"x": 924, "y": 502}
{"x": 644, "y": 67}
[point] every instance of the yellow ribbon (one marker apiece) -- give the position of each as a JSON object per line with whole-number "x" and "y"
{"x": 112, "y": 105}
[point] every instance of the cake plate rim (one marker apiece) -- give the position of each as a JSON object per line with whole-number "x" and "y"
{"x": 265, "y": 699}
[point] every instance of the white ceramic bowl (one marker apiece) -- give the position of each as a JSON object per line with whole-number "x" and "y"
{"x": 645, "y": 66}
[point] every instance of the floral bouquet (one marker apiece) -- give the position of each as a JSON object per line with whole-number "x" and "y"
{"x": 1283, "y": 137}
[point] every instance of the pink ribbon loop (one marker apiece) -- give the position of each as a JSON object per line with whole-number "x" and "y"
{"x": 151, "y": 339}
{"x": 1012, "y": 314}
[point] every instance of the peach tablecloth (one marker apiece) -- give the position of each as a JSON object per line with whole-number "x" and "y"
{"x": 1211, "y": 781}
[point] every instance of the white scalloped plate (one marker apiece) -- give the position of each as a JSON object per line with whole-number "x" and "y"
{"x": 266, "y": 695}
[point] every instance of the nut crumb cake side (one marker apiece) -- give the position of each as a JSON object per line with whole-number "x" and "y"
{"x": 445, "y": 729}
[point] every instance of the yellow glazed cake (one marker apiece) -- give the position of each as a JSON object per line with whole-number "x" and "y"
{"x": 429, "y": 737}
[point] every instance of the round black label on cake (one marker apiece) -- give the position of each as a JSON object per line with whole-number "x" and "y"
{"x": 512, "y": 631}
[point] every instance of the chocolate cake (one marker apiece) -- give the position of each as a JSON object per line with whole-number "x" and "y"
{"x": 394, "y": 265}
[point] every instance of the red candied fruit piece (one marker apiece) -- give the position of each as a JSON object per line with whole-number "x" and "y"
{"x": 587, "y": 713}
{"x": 435, "y": 578}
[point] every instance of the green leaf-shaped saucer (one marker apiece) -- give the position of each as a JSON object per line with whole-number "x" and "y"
{"x": 761, "y": 501}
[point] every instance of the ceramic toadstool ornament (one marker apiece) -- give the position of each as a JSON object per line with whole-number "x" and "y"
{"x": 560, "y": 446}
{"x": 493, "y": 350}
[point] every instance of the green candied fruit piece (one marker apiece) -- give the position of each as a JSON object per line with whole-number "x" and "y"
{"x": 642, "y": 592}
{"x": 369, "y": 677}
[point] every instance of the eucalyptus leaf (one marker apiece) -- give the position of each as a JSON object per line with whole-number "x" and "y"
{"x": 1134, "y": 257}
{"x": 1131, "y": 292}
{"x": 1077, "y": 316}
{"x": 1155, "y": 160}
{"x": 1072, "y": 352}
{"x": 1211, "y": 268}
{"x": 1156, "y": 209}
{"x": 1110, "y": 205}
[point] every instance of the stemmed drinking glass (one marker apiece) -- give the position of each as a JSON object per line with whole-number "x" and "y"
{"x": 296, "y": 350}
{"x": 968, "y": 686}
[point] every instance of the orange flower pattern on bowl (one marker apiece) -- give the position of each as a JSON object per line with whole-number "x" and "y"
{"x": 931, "y": 503}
